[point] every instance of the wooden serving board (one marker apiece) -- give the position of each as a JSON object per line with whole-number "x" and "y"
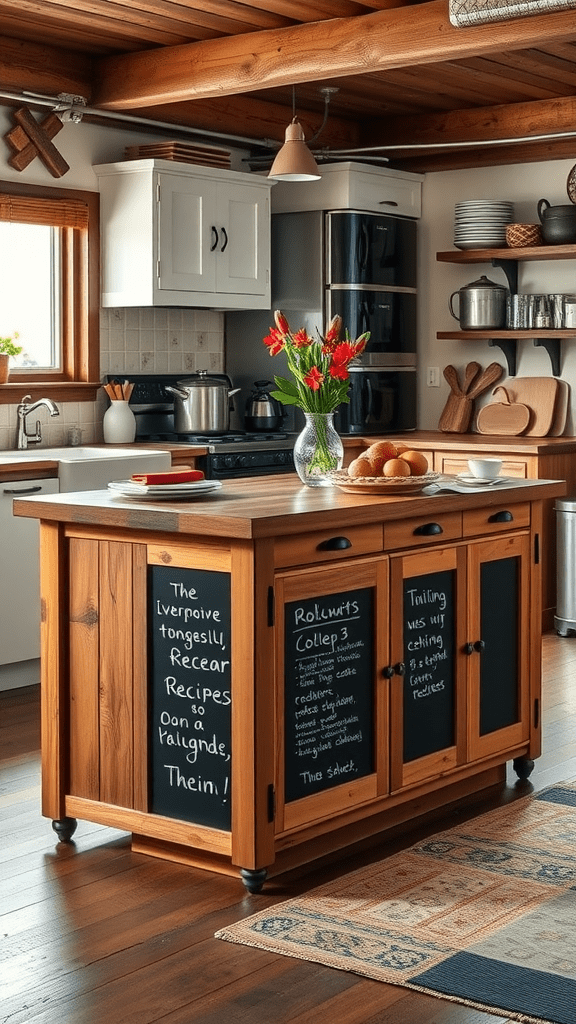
{"x": 539, "y": 394}
{"x": 503, "y": 416}
{"x": 561, "y": 409}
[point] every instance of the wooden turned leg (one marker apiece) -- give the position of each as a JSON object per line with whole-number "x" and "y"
{"x": 64, "y": 828}
{"x": 253, "y": 879}
{"x": 523, "y": 767}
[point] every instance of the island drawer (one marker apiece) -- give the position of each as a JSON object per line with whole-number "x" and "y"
{"x": 423, "y": 530}
{"x": 328, "y": 545}
{"x": 496, "y": 519}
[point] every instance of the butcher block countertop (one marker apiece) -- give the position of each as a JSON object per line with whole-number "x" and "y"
{"x": 244, "y": 509}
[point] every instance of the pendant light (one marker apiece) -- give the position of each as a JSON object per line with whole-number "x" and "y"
{"x": 294, "y": 162}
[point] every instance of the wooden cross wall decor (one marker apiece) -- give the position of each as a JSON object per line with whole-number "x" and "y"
{"x": 31, "y": 138}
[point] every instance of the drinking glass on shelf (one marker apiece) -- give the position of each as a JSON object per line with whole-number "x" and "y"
{"x": 556, "y": 300}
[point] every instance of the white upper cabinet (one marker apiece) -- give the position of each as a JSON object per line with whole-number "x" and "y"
{"x": 353, "y": 186}
{"x": 180, "y": 236}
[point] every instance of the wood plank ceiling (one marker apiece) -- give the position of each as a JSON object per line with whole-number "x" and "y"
{"x": 404, "y": 75}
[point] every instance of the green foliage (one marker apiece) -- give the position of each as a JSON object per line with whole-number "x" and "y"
{"x": 7, "y": 346}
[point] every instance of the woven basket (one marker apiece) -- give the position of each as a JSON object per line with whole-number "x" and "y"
{"x": 520, "y": 236}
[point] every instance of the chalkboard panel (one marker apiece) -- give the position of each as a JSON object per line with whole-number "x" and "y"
{"x": 328, "y": 691}
{"x": 499, "y": 675}
{"x": 429, "y": 704}
{"x": 190, "y": 737}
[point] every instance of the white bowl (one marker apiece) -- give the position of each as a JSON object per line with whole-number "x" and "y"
{"x": 485, "y": 469}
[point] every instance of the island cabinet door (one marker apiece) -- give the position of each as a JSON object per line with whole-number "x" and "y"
{"x": 331, "y": 692}
{"x": 427, "y": 664}
{"x": 498, "y": 645}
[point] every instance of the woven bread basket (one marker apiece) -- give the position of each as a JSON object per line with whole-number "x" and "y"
{"x": 519, "y": 236}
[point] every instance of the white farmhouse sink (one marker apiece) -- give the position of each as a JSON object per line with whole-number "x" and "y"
{"x": 90, "y": 469}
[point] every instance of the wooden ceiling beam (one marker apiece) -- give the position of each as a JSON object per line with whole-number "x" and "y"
{"x": 254, "y": 119}
{"x": 504, "y": 121}
{"x": 481, "y": 124}
{"x": 43, "y": 68}
{"x": 339, "y": 47}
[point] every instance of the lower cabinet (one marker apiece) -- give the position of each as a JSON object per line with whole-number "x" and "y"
{"x": 20, "y": 573}
{"x": 399, "y": 670}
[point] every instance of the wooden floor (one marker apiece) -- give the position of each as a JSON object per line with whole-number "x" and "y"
{"x": 94, "y": 934}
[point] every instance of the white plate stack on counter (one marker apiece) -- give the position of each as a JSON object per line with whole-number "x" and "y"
{"x": 481, "y": 223}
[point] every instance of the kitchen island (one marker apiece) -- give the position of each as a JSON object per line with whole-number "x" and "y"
{"x": 255, "y": 678}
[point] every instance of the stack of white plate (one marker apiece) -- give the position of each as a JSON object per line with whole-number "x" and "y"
{"x": 481, "y": 223}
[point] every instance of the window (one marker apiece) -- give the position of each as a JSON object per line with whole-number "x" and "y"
{"x": 49, "y": 290}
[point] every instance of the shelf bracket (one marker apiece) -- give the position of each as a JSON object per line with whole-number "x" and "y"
{"x": 552, "y": 346}
{"x": 510, "y": 268}
{"x": 508, "y": 346}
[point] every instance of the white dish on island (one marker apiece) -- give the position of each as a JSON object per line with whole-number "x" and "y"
{"x": 478, "y": 481}
{"x": 163, "y": 492}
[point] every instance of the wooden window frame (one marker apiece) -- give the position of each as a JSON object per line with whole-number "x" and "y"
{"x": 78, "y": 380}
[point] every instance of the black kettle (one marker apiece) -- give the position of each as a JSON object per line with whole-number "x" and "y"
{"x": 262, "y": 411}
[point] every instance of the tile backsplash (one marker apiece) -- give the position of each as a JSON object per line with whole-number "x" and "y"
{"x": 133, "y": 340}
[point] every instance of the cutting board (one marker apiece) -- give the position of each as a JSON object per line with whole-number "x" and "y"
{"x": 502, "y": 415}
{"x": 539, "y": 394}
{"x": 560, "y": 409}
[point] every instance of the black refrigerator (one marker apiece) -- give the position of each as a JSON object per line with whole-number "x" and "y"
{"x": 362, "y": 266}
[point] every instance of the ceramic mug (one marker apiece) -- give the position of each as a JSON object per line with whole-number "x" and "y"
{"x": 485, "y": 469}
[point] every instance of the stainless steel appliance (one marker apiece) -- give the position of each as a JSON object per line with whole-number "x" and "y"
{"x": 363, "y": 267}
{"x": 230, "y": 453}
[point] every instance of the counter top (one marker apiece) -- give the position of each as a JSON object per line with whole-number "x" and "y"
{"x": 244, "y": 509}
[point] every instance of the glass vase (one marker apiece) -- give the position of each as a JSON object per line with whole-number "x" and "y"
{"x": 119, "y": 423}
{"x": 318, "y": 450}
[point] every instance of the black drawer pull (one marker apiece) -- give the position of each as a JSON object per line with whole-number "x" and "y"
{"x": 501, "y": 517}
{"x": 22, "y": 490}
{"x": 428, "y": 530}
{"x": 334, "y": 544}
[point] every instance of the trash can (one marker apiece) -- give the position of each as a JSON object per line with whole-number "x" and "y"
{"x": 565, "y": 618}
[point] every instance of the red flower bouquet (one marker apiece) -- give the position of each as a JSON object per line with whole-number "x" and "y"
{"x": 319, "y": 366}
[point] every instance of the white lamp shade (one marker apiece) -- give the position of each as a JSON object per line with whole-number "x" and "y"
{"x": 294, "y": 162}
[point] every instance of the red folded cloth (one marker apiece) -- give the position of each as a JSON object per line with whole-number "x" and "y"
{"x": 169, "y": 476}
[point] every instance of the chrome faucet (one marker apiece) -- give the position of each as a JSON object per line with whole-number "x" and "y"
{"x": 23, "y": 437}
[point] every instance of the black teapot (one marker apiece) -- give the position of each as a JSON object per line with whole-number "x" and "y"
{"x": 262, "y": 411}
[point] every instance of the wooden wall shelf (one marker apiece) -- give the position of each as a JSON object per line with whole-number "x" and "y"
{"x": 508, "y": 260}
{"x": 507, "y": 341}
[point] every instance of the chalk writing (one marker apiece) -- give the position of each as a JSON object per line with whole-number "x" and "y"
{"x": 429, "y": 660}
{"x": 328, "y": 691}
{"x": 190, "y": 729}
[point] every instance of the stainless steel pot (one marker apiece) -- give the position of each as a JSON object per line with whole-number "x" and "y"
{"x": 202, "y": 404}
{"x": 262, "y": 411}
{"x": 481, "y": 305}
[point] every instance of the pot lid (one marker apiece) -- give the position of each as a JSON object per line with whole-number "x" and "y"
{"x": 483, "y": 282}
{"x": 201, "y": 379}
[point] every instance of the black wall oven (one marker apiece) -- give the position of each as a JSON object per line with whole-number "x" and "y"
{"x": 382, "y": 401}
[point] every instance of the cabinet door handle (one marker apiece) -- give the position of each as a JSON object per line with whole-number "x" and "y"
{"x": 477, "y": 646}
{"x": 223, "y": 230}
{"x": 215, "y": 239}
{"x": 334, "y": 544}
{"x": 388, "y": 202}
{"x": 501, "y": 517}
{"x": 388, "y": 671}
{"x": 400, "y": 668}
{"x": 428, "y": 530}
{"x": 22, "y": 490}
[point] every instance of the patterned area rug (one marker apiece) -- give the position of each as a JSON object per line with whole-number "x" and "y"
{"x": 483, "y": 914}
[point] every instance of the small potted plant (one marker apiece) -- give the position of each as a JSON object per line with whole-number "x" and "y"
{"x": 7, "y": 349}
